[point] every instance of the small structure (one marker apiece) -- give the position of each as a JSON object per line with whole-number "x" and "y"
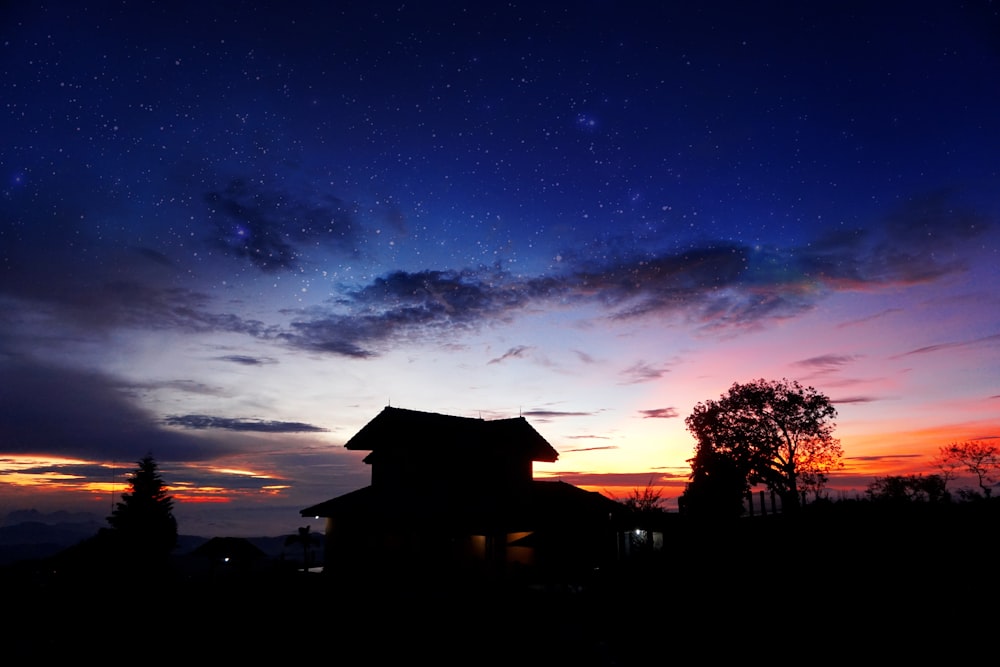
{"x": 229, "y": 554}
{"x": 455, "y": 496}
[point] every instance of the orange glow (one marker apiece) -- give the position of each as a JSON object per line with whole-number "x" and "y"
{"x": 199, "y": 499}
{"x": 21, "y": 462}
{"x": 50, "y": 479}
{"x": 243, "y": 473}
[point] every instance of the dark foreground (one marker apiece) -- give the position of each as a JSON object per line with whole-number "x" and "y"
{"x": 821, "y": 589}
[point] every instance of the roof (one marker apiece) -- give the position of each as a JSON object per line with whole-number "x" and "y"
{"x": 548, "y": 503}
{"x": 229, "y": 547}
{"x": 397, "y": 427}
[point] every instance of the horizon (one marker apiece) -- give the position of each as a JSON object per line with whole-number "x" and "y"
{"x": 231, "y": 242}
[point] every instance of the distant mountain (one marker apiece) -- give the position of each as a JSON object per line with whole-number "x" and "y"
{"x": 51, "y": 518}
{"x": 29, "y": 535}
{"x": 34, "y": 539}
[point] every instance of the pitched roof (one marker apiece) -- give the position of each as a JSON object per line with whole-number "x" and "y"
{"x": 548, "y": 503}
{"x": 229, "y": 547}
{"x": 397, "y": 427}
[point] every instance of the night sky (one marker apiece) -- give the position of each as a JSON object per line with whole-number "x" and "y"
{"x": 230, "y": 235}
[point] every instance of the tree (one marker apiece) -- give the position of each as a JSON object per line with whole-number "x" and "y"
{"x": 908, "y": 489}
{"x": 775, "y": 433}
{"x": 644, "y": 501}
{"x": 717, "y": 488}
{"x": 307, "y": 540}
{"x": 976, "y": 457}
{"x": 142, "y": 522}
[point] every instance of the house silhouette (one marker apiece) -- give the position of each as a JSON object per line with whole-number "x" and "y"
{"x": 455, "y": 497}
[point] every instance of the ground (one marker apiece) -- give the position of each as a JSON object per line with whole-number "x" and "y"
{"x": 890, "y": 587}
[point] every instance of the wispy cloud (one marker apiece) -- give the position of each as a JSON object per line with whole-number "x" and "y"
{"x": 886, "y": 457}
{"x": 548, "y": 414}
{"x": 877, "y": 316}
{"x": 245, "y": 360}
{"x": 827, "y": 362}
{"x": 660, "y": 413}
{"x": 641, "y": 372}
{"x": 200, "y": 422}
{"x": 854, "y": 399}
{"x": 513, "y": 353}
{"x": 927, "y": 349}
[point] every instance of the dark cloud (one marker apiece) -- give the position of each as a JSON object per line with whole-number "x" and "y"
{"x": 513, "y": 353}
{"x": 924, "y": 239}
{"x": 660, "y": 413}
{"x": 886, "y": 457}
{"x": 826, "y": 362}
{"x": 185, "y": 386}
{"x": 200, "y": 422}
{"x": 927, "y": 349}
{"x": 245, "y": 360}
{"x": 86, "y": 414}
{"x": 853, "y": 399}
{"x": 98, "y": 305}
{"x": 268, "y": 228}
{"x": 588, "y": 449}
{"x": 547, "y": 414}
{"x": 718, "y": 286}
{"x": 642, "y": 372}
{"x": 405, "y": 304}
{"x": 636, "y": 479}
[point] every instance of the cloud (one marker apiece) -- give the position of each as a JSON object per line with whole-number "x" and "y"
{"x": 98, "y": 305}
{"x": 404, "y": 304}
{"x": 826, "y": 362}
{"x": 245, "y": 360}
{"x": 927, "y": 349}
{"x": 886, "y": 457}
{"x": 717, "y": 286}
{"x": 200, "y": 422}
{"x": 85, "y": 414}
{"x": 547, "y": 414}
{"x": 633, "y": 479}
{"x": 642, "y": 372}
{"x": 885, "y": 313}
{"x": 854, "y": 399}
{"x": 660, "y": 413}
{"x": 266, "y": 227}
{"x": 513, "y": 353}
{"x": 588, "y": 449}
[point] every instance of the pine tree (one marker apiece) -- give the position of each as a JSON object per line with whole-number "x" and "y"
{"x": 143, "y": 522}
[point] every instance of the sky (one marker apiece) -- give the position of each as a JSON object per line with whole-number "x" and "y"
{"x": 231, "y": 233}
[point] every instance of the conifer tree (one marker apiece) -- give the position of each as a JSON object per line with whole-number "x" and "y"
{"x": 143, "y": 522}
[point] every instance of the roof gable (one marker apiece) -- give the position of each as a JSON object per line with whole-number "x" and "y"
{"x": 397, "y": 428}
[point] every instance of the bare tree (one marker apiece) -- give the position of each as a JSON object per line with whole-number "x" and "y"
{"x": 649, "y": 499}
{"x": 975, "y": 457}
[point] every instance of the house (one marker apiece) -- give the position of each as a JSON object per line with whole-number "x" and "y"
{"x": 455, "y": 496}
